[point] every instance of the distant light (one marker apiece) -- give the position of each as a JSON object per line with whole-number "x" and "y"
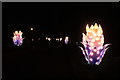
{"x": 32, "y": 39}
{"x": 60, "y": 39}
{"x": 57, "y": 39}
{"x": 31, "y": 29}
{"x": 38, "y": 38}
{"x": 66, "y": 39}
{"x": 46, "y": 38}
{"x": 49, "y": 39}
{"x": 76, "y": 43}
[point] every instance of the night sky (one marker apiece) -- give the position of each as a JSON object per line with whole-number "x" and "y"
{"x": 59, "y": 20}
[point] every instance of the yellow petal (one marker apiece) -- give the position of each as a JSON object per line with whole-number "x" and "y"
{"x": 96, "y": 26}
{"x": 92, "y": 27}
{"x": 87, "y": 28}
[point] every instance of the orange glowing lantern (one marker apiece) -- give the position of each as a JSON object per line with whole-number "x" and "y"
{"x": 93, "y": 42}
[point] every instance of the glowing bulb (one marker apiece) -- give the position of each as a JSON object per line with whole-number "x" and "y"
{"x": 98, "y": 58}
{"x": 57, "y": 39}
{"x": 32, "y": 39}
{"x": 60, "y": 39}
{"x": 99, "y": 43}
{"x": 31, "y": 29}
{"x": 98, "y": 48}
{"x": 95, "y": 50}
{"x": 46, "y": 38}
{"x": 90, "y": 48}
{"x": 91, "y": 59}
{"x": 49, "y": 39}
{"x": 97, "y": 63}
{"x": 66, "y": 37}
{"x": 91, "y": 53}
{"x": 97, "y": 38}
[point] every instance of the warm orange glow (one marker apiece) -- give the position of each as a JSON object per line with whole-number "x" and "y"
{"x": 93, "y": 41}
{"x": 94, "y": 35}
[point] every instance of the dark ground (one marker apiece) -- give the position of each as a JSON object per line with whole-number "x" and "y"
{"x": 44, "y": 59}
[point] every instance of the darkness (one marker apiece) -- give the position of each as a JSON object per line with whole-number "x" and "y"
{"x": 43, "y": 59}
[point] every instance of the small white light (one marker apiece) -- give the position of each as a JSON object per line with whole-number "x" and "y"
{"x": 101, "y": 48}
{"x": 31, "y": 29}
{"x": 97, "y": 38}
{"x": 90, "y": 48}
{"x": 85, "y": 46}
{"x": 46, "y": 38}
{"x": 32, "y": 39}
{"x": 91, "y": 59}
{"x": 98, "y": 48}
{"x": 98, "y": 58}
{"x": 60, "y": 39}
{"x": 99, "y": 43}
{"x": 49, "y": 39}
{"x": 57, "y": 39}
{"x": 91, "y": 44}
{"x": 66, "y": 37}
{"x": 91, "y": 53}
{"x": 97, "y": 63}
{"x": 86, "y": 51}
{"x": 97, "y": 52}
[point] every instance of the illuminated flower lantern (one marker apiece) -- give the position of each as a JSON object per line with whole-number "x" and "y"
{"x": 93, "y": 44}
{"x": 66, "y": 39}
{"x": 17, "y": 39}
